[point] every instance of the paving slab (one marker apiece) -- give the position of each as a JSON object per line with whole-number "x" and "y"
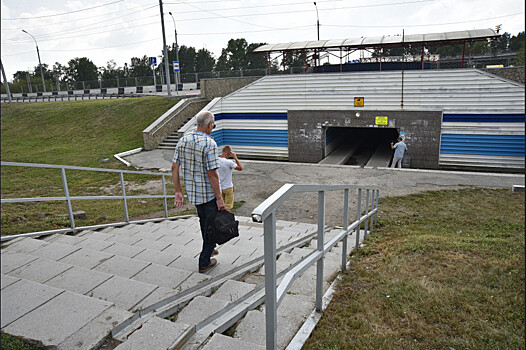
{"x": 78, "y": 280}
{"x": 94, "y": 243}
{"x": 191, "y": 250}
{"x": 22, "y": 297}
{"x": 185, "y": 263}
{"x": 11, "y": 261}
{"x": 124, "y": 239}
{"x": 154, "y": 236}
{"x": 7, "y": 280}
{"x": 157, "y": 334}
{"x": 156, "y": 257}
{"x": 232, "y": 290}
{"x": 93, "y": 334}
{"x": 123, "y": 292}
{"x": 151, "y": 244}
{"x": 66, "y": 239}
{"x": 159, "y": 294}
{"x": 125, "y": 250}
{"x": 220, "y": 341}
{"x": 86, "y": 258}
{"x": 25, "y": 246}
{"x": 40, "y": 270}
{"x": 162, "y": 276}
{"x": 55, "y": 251}
{"x": 199, "y": 309}
{"x": 194, "y": 279}
{"x": 121, "y": 266}
{"x": 184, "y": 238}
{"x": 101, "y": 236}
{"x": 58, "y": 319}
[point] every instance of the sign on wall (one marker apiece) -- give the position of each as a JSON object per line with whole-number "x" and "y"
{"x": 358, "y": 101}
{"x": 381, "y": 120}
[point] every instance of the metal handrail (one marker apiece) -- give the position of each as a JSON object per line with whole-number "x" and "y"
{"x": 67, "y": 198}
{"x": 266, "y": 213}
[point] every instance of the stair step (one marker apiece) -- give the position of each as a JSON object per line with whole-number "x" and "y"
{"x": 157, "y": 333}
{"x": 292, "y": 312}
{"x": 220, "y": 341}
{"x": 232, "y": 290}
{"x": 199, "y": 309}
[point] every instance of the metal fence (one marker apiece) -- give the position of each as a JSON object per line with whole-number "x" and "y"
{"x": 68, "y": 198}
{"x": 266, "y": 213}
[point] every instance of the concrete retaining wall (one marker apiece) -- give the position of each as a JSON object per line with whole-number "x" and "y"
{"x": 307, "y": 132}
{"x": 211, "y": 88}
{"x": 172, "y": 122}
{"x": 510, "y": 73}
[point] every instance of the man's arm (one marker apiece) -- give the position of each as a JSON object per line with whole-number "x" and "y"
{"x": 179, "y": 198}
{"x": 214, "y": 182}
{"x": 238, "y": 163}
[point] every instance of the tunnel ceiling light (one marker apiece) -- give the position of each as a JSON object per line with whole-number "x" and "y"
{"x": 357, "y": 114}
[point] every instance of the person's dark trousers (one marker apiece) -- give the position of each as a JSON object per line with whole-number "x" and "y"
{"x": 203, "y": 211}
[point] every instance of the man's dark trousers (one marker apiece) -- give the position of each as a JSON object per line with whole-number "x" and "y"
{"x": 204, "y": 211}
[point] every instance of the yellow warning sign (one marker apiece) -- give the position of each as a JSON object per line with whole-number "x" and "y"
{"x": 358, "y": 101}
{"x": 381, "y": 120}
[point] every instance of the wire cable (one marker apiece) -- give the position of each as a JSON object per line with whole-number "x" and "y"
{"x": 61, "y": 14}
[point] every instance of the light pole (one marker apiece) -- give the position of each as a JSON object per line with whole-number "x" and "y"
{"x": 318, "y": 24}
{"x": 39, "y": 63}
{"x": 166, "y": 68}
{"x": 176, "y": 74}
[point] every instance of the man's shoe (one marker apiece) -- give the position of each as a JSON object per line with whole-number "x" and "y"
{"x": 213, "y": 262}
{"x": 215, "y": 252}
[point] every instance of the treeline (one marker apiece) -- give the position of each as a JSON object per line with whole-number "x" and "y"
{"x": 237, "y": 55}
{"x": 503, "y": 44}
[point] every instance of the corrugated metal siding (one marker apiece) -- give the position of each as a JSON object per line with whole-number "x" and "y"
{"x": 501, "y": 145}
{"x": 251, "y": 137}
{"x": 481, "y": 161}
{"x": 473, "y": 102}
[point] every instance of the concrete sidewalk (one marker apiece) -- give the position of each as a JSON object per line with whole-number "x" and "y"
{"x": 260, "y": 179}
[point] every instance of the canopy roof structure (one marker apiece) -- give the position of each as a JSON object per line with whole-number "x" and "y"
{"x": 386, "y": 41}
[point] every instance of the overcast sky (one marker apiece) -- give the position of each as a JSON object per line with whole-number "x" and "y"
{"x": 120, "y": 29}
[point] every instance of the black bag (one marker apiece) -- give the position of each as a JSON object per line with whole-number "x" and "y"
{"x": 221, "y": 227}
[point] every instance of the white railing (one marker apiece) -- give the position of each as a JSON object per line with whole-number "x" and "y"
{"x": 68, "y": 198}
{"x": 266, "y": 213}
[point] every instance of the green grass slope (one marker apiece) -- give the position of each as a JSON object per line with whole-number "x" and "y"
{"x": 79, "y": 133}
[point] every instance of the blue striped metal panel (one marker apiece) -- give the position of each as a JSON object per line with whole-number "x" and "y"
{"x": 498, "y": 145}
{"x": 279, "y": 116}
{"x": 485, "y": 118}
{"x": 251, "y": 137}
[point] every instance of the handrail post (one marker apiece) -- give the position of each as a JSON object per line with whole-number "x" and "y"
{"x": 271, "y": 302}
{"x": 345, "y": 225}
{"x": 376, "y": 215}
{"x": 319, "y": 264}
{"x": 371, "y": 218}
{"x": 66, "y": 194}
{"x": 124, "y": 198}
{"x": 366, "y": 212}
{"x": 359, "y": 211}
{"x": 164, "y": 198}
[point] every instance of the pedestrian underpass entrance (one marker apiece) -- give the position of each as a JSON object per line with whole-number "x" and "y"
{"x": 359, "y": 146}
{"x": 363, "y": 137}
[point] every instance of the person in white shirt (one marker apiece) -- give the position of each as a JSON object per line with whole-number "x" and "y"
{"x": 224, "y": 171}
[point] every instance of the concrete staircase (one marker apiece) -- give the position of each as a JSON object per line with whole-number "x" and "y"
{"x": 71, "y": 291}
{"x": 171, "y": 141}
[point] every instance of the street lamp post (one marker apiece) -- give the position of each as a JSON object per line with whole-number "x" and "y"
{"x": 39, "y": 63}
{"x": 176, "y": 74}
{"x": 318, "y": 25}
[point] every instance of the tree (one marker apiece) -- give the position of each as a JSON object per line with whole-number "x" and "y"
{"x": 111, "y": 71}
{"x": 140, "y": 67}
{"x": 256, "y": 60}
{"x": 234, "y": 56}
{"x": 81, "y": 69}
{"x": 204, "y": 61}
{"x": 517, "y": 42}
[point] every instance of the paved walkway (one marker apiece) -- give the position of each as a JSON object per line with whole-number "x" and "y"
{"x": 260, "y": 179}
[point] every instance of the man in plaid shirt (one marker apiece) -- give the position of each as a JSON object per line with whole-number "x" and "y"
{"x": 196, "y": 154}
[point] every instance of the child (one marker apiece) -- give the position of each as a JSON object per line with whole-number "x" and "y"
{"x": 225, "y": 175}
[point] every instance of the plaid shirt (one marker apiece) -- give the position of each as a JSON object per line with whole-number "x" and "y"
{"x": 196, "y": 152}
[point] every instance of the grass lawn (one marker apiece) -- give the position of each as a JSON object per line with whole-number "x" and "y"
{"x": 80, "y": 133}
{"x": 444, "y": 270}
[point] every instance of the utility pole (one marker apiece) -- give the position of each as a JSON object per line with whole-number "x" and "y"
{"x": 166, "y": 68}
{"x": 5, "y": 82}
{"x": 318, "y": 24}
